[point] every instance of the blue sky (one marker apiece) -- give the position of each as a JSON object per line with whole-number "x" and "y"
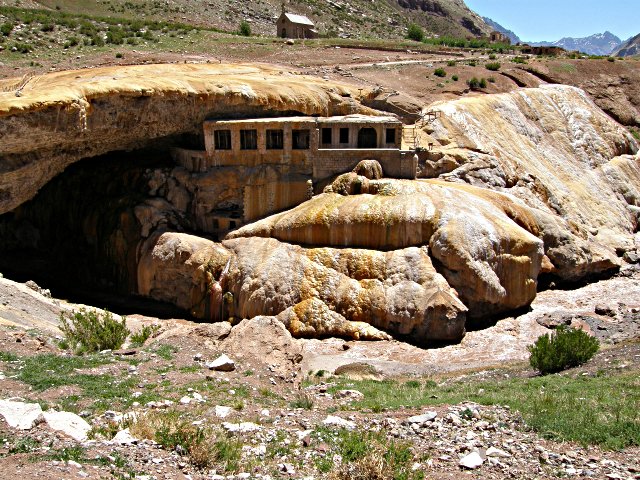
{"x": 536, "y": 20}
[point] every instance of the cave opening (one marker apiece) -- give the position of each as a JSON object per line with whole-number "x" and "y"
{"x": 79, "y": 236}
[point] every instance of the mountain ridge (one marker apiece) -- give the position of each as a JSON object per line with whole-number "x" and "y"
{"x": 509, "y": 33}
{"x": 596, "y": 44}
{"x": 630, "y": 47}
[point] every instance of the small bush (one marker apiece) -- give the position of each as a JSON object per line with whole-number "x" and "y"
{"x": 440, "y": 72}
{"x": 519, "y": 60}
{"x": 473, "y": 83}
{"x": 71, "y": 42}
{"x": 119, "y": 55}
{"x": 566, "y": 347}
{"x": 89, "y": 331}
{"x": 23, "y": 47}
{"x": 451, "y": 63}
{"x": 611, "y": 59}
{"x": 492, "y": 56}
{"x": 454, "y": 78}
{"x": 415, "y": 32}
{"x": 6, "y": 28}
{"x": 483, "y": 83}
{"x": 138, "y": 338}
{"x": 491, "y": 79}
{"x": 302, "y": 401}
{"x": 472, "y": 63}
{"x": 244, "y": 29}
{"x": 494, "y": 66}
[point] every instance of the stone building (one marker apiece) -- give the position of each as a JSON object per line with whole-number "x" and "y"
{"x": 290, "y": 25}
{"x": 298, "y": 153}
{"x": 499, "y": 37}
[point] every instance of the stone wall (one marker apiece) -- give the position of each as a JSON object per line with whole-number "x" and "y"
{"x": 395, "y": 163}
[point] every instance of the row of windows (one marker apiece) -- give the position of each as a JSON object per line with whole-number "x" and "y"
{"x": 300, "y": 138}
{"x": 249, "y": 139}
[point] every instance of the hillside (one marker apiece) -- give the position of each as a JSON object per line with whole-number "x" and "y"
{"x": 354, "y": 19}
{"x": 598, "y": 44}
{"x": 509, "y": 33}
{"x": 629, "y": 48}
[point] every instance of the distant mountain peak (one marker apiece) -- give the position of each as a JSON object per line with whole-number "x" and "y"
{"x": 596, "y": 44}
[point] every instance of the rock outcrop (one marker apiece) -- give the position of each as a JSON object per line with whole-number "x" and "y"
{"x": 63, "y": 117}
{"x": 552, "y": 148}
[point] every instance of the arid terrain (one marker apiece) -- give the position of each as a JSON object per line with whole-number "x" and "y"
{"x": 523, "y": 217}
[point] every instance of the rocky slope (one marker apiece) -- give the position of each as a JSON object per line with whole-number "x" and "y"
{"x": 496, "y": 26}
{"x": 352, "y": 19}
{"x": 629, "y": 48}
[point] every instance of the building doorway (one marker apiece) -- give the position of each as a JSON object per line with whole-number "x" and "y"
{"x": 367, "y": 138}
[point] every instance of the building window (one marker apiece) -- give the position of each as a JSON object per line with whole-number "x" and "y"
{"x": 344, "y": 135}
{"x": 222, "y": 139}
{"x": 391, "y": 135}
{"x": 326, "y": 136}
{"x": 274, "y": 140}
{"x": 300, "y": 139}
{"x": 248, "y": 139}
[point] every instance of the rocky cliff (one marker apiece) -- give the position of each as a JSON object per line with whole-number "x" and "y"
{"x": 552, "y": 148}
{"x": 63, "y": 117}
{"x": 537, "y": 182}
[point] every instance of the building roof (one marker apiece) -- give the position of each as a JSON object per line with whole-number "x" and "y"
{"x": 345, "y": 119}
{"x": 300, "y": 19}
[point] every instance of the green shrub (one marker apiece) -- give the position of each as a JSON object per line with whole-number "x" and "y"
{"x": 6, "y": 28}
{"x": 451, "y": 63}
{"x": 493, "y": 66}
{"x": 138, "y": 338}
{"x": 519, "y": 60}
{"x": 483, "y": 83}
{"x": 23, "y": 47}
{"x": 415, "y": 32}
{"x": 492, "y": 56}
{"x": 244, "y": 29}
{"x": 491, "y": 79}
{"x": 302, "y": 401}
{"x": 71, "y": 42}
{"x": 611, "y": 59}
{"x": 566, "y": 347}
{"x": 90, "y": 331}
{"x": 472, "y": 63}
{"x": 454, "y": 78}
{"x": 440, "y": 72}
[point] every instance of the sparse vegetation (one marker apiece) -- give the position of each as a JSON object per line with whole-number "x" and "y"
{"x": 440, "y": 72}
{"x": 454, "y": 78}
{"x": 565, "y": 348}
{"x": 521, "y": 60}
{"x": 593, "y": 409}
{"x": 451, "y": 63}
{"x": 91, "y": 331}
{"x": 493, "y": 66}
{"x": 302, "y": 401}
{"x": 475, "y": 84}
{"x": 368, "y": 455}
{"x": 415, "y": 32}
{"x": 140, "y": 337}
{"x": 203, "y": 446}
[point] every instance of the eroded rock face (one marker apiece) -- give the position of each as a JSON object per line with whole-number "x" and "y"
{"x": 552, "y": 148}
{"x": 67, "y": 116}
